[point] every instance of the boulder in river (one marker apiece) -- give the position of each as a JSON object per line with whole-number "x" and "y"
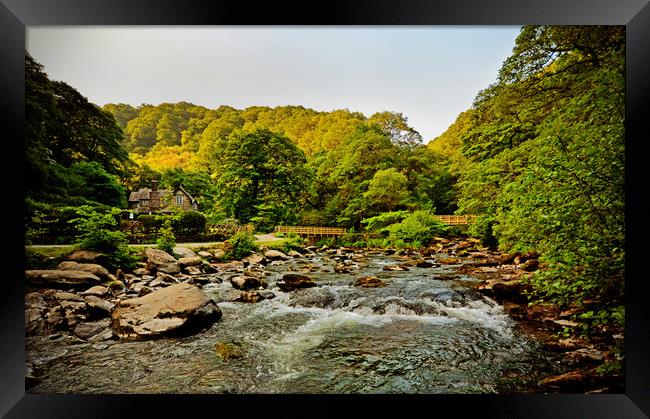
{"x": 176, "y": 308}
{"x": 275, "y": 255}
{"x": 98, "y": 306}
{"x": 245, "y": 282}
{"x": 423, "y": 263}
{"x": 291, "y": 282}
{"x": 189, "y": 261}
{"x": 513, "y": 290}
{"x": 57, "y": 278}
{"x": 250, "y": 297}
{"x": 98, "y": 290}
{"x": 253, "y": 260}
{"x": 88, "y": 329}
{"x": 88, "y": 256}
{"x": 369, "y": 282}
{"x": 342, "y": 268}
{"x": 219, "y": 253}
{"x": 161, "y": 261}
{"x": 192, "y": 270}
{"x": 395, "y": 268}
{"x": 183, "y": 252}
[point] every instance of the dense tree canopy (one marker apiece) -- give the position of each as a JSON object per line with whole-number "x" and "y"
{"x": 262, "y": 176}
{"x": 64, "y": 129}
{"x": 543, "y": 157}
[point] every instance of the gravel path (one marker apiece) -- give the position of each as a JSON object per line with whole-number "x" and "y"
{"x": 258, "y": 237}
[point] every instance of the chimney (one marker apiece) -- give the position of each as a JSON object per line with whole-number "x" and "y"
{"x": 154, "y": 185}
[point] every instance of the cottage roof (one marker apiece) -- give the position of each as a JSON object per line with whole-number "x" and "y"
{"x": 146, "y": 193}
{"x": 143, "y": 193}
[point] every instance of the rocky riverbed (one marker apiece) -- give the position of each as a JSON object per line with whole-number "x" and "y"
{"x": 452, "y": 318}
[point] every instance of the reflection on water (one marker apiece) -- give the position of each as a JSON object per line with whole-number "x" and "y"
{"x": 417, "y": 334}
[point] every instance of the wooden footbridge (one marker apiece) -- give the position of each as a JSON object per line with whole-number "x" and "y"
{"x": 338, "y": 231}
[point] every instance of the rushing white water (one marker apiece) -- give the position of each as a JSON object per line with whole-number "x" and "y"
{"x": 419, "y": 333}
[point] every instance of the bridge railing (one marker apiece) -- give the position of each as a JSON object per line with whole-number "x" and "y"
{"x": 311, "y": 231}
{"x": 457, "y": 219}
{"x": 338, "y": 231}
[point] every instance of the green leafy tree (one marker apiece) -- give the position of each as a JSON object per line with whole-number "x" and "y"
{"x": 95, "y": 184}
{"x": 546, "y": 145}
{"x": 261, "y": 168}
{"x": 63, "y": 128}
{"x": 387, "y": 191}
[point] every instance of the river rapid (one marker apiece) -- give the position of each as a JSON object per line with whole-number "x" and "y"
{"x": 421, "y": 333}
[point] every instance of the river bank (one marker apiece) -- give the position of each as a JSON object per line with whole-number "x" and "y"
{"x": 317, "y": 320}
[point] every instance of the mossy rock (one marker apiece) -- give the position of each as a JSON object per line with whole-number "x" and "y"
{"x": 228, "y": 351}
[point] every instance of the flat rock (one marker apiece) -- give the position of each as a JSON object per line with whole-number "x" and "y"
{"x": 89, "y": 329}
{"x": 61, "y": 278}
{"x": 565, "y": 323}
{"x": 107, "y": 334}
{"x": 161, "y": 261}
{"x": 189, "y": 261}
{"x": 99, "y": 305}
{"x": 142, "y": 271}
{"x": 183, "y": 252}
{"x": 67, "y": 296}
{"x": 167, "y": 278}
{"x": 192, "y": 270}
{"x": 179, "y": 307}
{"x": 275, "y": 255}
{"x": 87, "y": 256}
{"x": 569, "y": 380}
{"x": 93, "y": 268}
{"x": 395, "y": 268}
{"x": 369, "y": 282}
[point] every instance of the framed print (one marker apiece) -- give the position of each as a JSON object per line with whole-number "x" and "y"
{"x": 363, "y": 204}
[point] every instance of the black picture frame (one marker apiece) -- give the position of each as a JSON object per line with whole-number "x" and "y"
{"x": 15, "y": 15}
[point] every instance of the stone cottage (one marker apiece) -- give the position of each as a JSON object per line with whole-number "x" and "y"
{"x": 161, "y": 200}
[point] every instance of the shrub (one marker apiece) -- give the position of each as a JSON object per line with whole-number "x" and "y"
{"x": 384, "y": 219}
{"x": 49, "y": 224}
{"x": 97, "y": 231}
{"x": 240, "y": 245}
{"x": 189, "y": 222}
{"x": 150, "y": 222}
{"x": 350, "y": 239}
{"x": 483, "y": 229}
{"x": 293, "y": 242}
{"x": 417, "y": 229}
{"x": 329, "y": 242}
{"x": 166, "y": 239}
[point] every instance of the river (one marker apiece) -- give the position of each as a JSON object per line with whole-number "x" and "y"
{"x": 421, "y": 333}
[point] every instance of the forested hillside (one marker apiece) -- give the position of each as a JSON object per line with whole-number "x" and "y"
{"x": 338, "y": 155}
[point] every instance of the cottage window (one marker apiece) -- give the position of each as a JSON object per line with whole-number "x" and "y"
{"x": 179, "y": 199}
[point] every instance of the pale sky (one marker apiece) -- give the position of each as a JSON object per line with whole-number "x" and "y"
{"x": 428, "y": 73}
